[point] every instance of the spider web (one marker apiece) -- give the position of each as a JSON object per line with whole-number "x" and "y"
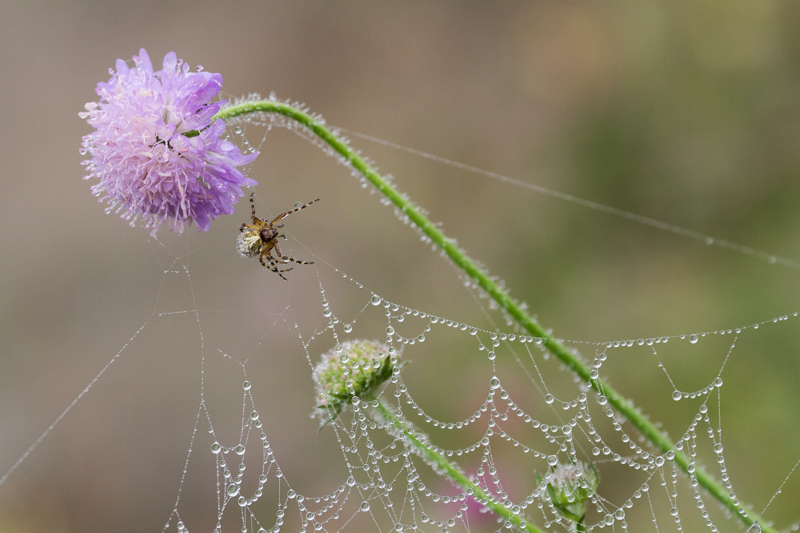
{"x": 232, "y": 357}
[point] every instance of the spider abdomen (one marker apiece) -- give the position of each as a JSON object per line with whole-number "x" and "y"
{"x": 249, "y": 244}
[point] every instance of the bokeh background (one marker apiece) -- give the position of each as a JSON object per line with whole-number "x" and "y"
{"x": 686, "y": 112}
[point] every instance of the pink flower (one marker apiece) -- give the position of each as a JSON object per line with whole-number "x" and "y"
{"x": 146, "y": 164}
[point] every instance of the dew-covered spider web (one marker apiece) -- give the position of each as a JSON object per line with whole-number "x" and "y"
{"x": 229, "y": 351}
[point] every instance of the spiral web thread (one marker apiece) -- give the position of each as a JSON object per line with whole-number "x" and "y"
{"x": 504, "y": 440}
{"x": 391, "y": 486}
{"x": 519, "y": 413}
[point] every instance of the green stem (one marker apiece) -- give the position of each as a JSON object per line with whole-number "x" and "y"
{"x": 647, "y": 428}
{"x": 480, "y": 495}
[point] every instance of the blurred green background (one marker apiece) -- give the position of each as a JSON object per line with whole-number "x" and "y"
{"x": 686, "y": 112}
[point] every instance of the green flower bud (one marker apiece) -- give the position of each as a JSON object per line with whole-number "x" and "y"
{"x": 354, "y": 369}
{"x": 568, "y": 488}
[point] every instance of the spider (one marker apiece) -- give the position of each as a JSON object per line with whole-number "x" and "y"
{"x": 262, "y": 237}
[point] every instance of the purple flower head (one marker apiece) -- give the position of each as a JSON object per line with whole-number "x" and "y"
{"x": 146, "y": 165}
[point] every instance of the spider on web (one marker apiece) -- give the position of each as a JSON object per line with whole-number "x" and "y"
{"x": 262, "y": 237}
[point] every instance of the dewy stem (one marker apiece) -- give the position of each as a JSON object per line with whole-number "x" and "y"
{"x": 453, "y": 472}
{"x": 647, "y": 428}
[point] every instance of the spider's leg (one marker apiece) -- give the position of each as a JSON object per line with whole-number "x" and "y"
{"x": 272, "y": 266}
{"x": 286, "y": 258}
{"x": 257, "y": 221}
{"x": 252, "y": 227}
{"x": 273, "y": 245}
{"x": 295, "y": 210}
{"x": 276, "y": 269}
{"x": 265, "y": 252}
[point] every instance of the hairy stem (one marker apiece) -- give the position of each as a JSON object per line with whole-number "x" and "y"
{"x": 511, "y": 306}
{"x": 453, "y": 472}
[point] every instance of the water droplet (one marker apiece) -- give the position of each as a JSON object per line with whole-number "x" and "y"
{"x": 676, "y": 395}
{"x": 552, "y": 460}
{"x": 239, "y": 449}
{"x": 390, "y": 330}
{"x": 495, "y": 383}
{"x": 549, "y": 399}
{"x": 246, "y": 385}
{"x": 216, "y": 447}
{"x": 348, "y": 328}
{"x": 364, "y": 506}
{"x": 376, "y": 300}
{"x": 693, "y": 338}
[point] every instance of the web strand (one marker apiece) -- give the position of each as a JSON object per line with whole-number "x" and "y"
{"x": 627, "y": 215}
{"x": 517, "y": 413}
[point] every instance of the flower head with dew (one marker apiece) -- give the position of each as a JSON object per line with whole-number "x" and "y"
{"x": 355, "y": 369}
{"x": 147, "y": 165}
{"x": 568, "y": 486}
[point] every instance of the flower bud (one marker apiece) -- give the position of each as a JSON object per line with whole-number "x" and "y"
{"x": 569, "y": 486}
{"x": 356, "y": 369}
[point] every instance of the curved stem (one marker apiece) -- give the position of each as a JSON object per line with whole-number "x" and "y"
{"x": 435, "y": 458}
{"x": 460, "y": 258}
